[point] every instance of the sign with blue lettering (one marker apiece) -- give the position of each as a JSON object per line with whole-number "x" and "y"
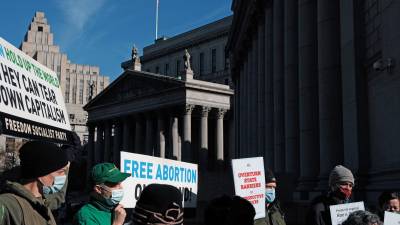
{"x": 147, "y": 170}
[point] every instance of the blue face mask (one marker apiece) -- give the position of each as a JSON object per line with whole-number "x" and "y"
{"x": 269, "y": 195}
{"x": 59, "y": 182}
{"x": 116, "y": 196}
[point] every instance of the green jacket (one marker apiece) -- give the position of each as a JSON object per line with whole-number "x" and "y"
{"x": 94, "y": 212}
{"x": 273, "y": 216}
{"x": 19, "y": 207}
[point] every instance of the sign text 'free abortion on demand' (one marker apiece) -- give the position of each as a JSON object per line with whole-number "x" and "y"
{"x": 248, "y": 176}
{"x": 31, "y": 102}
{"x": 147, "y": 170}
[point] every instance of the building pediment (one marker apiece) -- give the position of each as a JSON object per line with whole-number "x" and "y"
{"x": 132, "y": 85}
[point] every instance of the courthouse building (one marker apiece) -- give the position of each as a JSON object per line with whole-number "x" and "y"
{"x": 316, "y": 85}
{"x": 161, "y": 108}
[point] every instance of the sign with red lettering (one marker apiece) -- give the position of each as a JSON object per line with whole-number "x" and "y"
{"x": 249, "y": 179}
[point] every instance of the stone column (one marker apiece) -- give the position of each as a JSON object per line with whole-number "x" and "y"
{"x": 138, "y": 135}
{"x": 107, "y": 141}
{"x": 330, "y": 89}
{"x": 161, "y": 135}
{"x": 117, "y": 143}
{"x": 125, "y": 134}
{"x": 261, "y": 87}
{"x": 255, "y": 79}
{"x": 269, "y": 100}
{"x": 149, "y": 135}
{"x": 99, "y": 150}
{"x": 279, "y": 129}
{"x": 220, "y": 134}
{"x": 203, "y": 154}
{"x": 245, "y": 127}
{"x": 308, "y": 94}
{"x": 291, "y": 88}
{"x": 239, "y": 109}
{"x": 174, "y": 137}
{"x": 187, "y": 133}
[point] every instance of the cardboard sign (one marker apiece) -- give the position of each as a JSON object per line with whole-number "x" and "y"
{"x": 339, "y": 213}
{"x": 249, "y": 179}
{"x": 31, "y": 102}
{"x": 147, "y": 170}
{"x": 391, "y": 218}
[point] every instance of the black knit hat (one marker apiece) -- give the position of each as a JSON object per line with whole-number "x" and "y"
{"x": 39, "y": 158}
{"x": 159, "y": 203}
{"x": 242, "y": 212}
{"x": 269, "y": 177}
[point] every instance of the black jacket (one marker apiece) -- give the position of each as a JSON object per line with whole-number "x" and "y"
{"x": 319, "y": 213}
{"x": 273, "y": 215}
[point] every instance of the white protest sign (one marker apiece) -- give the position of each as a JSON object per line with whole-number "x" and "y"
{"x": 146, "y": 170}
{"x": 249, "y": 179}
{"x": 339, "y": 213}
{"x": 391, "y": 218}
{"x": 31, "y": 102}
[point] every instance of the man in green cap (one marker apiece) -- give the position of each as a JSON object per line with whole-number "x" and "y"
{"x": 104, "y": 207}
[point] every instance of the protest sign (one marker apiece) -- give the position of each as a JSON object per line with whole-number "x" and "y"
{"x": 249, "y": 179}
{"x": 391, "y": 218}
{"x": 146, "y": 170}
{"x": 31, "y": 102}
{"x": 339, "y": 213}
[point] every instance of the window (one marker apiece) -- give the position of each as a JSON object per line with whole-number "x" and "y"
{"x": 81, "y": 91}
{"x": 178, "y": 67}
{"x": 40, "y": 29}
{"x": 71, "y": 116}
{"x": 213, "y": 60}
{"x": 67, "y": 70}
{"x": 201, "y": 62}
{"x": 74, "y": 94}
{"x": 67, "y": 96}
{"x": 58, "y": 68}
{"x": 87, "y": 72}
{"x": 95, "y": 73}
{"x": 166, "y": 71}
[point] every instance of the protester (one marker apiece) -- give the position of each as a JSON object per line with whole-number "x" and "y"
{"x": 159, "y": 204}
{"x": 389, "y": 201}
{"x": 242, "y": 212}
{"x": 273, "y": 212}
{"x": 107, "y": 192}
{"x": 225, "y": 210}
{"x": 22, "y": 202}
{"x": 362, "y": 218}
{"x": 341, "y": 182}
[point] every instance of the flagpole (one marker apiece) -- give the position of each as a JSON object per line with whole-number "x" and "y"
{"x": 157, "y": 3}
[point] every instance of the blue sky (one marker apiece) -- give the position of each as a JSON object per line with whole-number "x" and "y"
{"x": 102, "y": 32}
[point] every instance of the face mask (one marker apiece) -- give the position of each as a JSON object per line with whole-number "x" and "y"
{"x": 59, "y": 182}
{"x": 269, "y": 195}
{"x": 116, "y": 196}
{"x": 344, "y": 193}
